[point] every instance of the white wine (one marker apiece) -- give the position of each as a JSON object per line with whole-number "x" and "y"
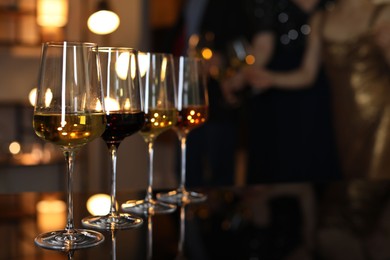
{"x": 158, "y": 121}
{"x": 74, "y": 130}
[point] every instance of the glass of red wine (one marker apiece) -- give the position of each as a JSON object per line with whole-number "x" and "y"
{"x": 125, "y": 117}
{"x": 192, "y": 105}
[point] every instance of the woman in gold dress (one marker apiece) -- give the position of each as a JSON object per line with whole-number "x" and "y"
{"x": 360, "y": 80}
{"x": 352, "y": 41}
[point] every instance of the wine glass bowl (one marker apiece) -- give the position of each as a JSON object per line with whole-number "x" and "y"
{"x": 159, "y": 102}
{"x": 68, "y": 112}
{"x": 192, "y": 106}
{"x": 239, "y": 53}
{"x": 122, "y": 96}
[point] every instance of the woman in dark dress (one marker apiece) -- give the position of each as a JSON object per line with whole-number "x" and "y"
{"x": 290, "y": 133}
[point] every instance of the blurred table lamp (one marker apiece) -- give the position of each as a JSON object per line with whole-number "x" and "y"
{"x": 52, "y": 16}
{"x": 51, "y": 214}
{"x": 103, "y": 21}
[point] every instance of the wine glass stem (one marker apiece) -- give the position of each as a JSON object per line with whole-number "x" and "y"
{"x": 113, "y": 243}
{"x": 113, "y": 152}
{"x": 149, "y": 192}
{"x": 69, "y": 158}
{"x": 183, "y": 141}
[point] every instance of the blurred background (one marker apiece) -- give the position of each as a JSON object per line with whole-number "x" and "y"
{"x": 28, "y": 164}
{"x": 346, "y": 211}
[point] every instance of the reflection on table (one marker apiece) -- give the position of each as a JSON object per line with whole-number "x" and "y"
{"x": 274, "y": 221}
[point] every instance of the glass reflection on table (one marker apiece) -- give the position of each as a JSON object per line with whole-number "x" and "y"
{"x": 272, "y": 221}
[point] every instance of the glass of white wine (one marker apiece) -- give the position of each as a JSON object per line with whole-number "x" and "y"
{"x": 192, "y": 106}
{"x": 69, "y": 113}
{"x": 159, "y": 104}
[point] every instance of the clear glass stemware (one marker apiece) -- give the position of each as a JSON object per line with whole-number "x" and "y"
{"x": 69, "y": 113}
{"x": 158, "y": 78}
{"x": 192, "y": 112}
{"x": 122, "y": 96}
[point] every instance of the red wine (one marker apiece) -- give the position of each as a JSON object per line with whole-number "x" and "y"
{"x": 121, "y": 125}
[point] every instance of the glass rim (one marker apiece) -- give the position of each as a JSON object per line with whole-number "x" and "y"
{"x": 70, "y": 44}
{"x": 188, "y": 58}
{"x": 156, "y": 53}
{"x": 106, "y": 49}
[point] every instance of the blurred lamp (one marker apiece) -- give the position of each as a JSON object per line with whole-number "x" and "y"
{"x": 14, "y": 147}
{"x": 122, "y": 65}
{"x": 103, "y": 21}
{"x": 52, "y": 13}
{"x": 32, "y": 96}
{"x": 111, "y": 104}
{"x": 99, "y": 204}
{"x": 51, "y": 214}
{"x": 143, "y": 63}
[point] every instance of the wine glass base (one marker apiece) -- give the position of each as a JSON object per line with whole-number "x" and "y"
{"x": 65, "y": 240}
{"x": 147, "y": 207}
{"x": 181, "y": 197}
{"x": 112, "y": 222}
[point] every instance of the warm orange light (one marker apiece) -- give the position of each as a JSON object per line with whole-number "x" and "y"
{"x": 122, "y": 65}
{"x": 111, "y": 104}
{"x": 250, "y": 59}
{"x": 32, "y": 96}
{"x": 48, "y": 97}
{"x": 99, "y": 204}
{"x": 103, "y": 22}
{"x": 52, "y": 13}
{"x": 164, "y": 69}
{"x": 51, "y": 215}
{"x": 143, "y": 63}
{"x": 207, "y": 53}
{"x": 14, "y": 147}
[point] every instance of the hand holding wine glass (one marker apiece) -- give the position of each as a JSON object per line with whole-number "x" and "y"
{"x": 68, "y": 112}
{"x": 192, "y": 106}
{"x": 158, "y": 78}
{"x": 122, "y": 96}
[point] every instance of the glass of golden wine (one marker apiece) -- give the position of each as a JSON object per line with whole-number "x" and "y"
{"x": 69, "y": 113}
{"x": 159, "y": 102}
{"x": 192, "y": 106}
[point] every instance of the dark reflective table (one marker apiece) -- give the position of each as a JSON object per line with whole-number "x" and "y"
{"x": 338, "y": 220}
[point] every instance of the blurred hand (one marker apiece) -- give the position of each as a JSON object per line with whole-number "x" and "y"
{"x": 258, "y": 78}
{"x": 231, "y": 85}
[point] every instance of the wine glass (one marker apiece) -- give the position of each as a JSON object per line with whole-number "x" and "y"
{"x": 239, "y": 53}
{"x": 192, "y": 112}
{"x": 122, "y": 99}
{"x": 113, "y": 244}
{"x": 158, "y": 78}
{"x": 69, "y": 113}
